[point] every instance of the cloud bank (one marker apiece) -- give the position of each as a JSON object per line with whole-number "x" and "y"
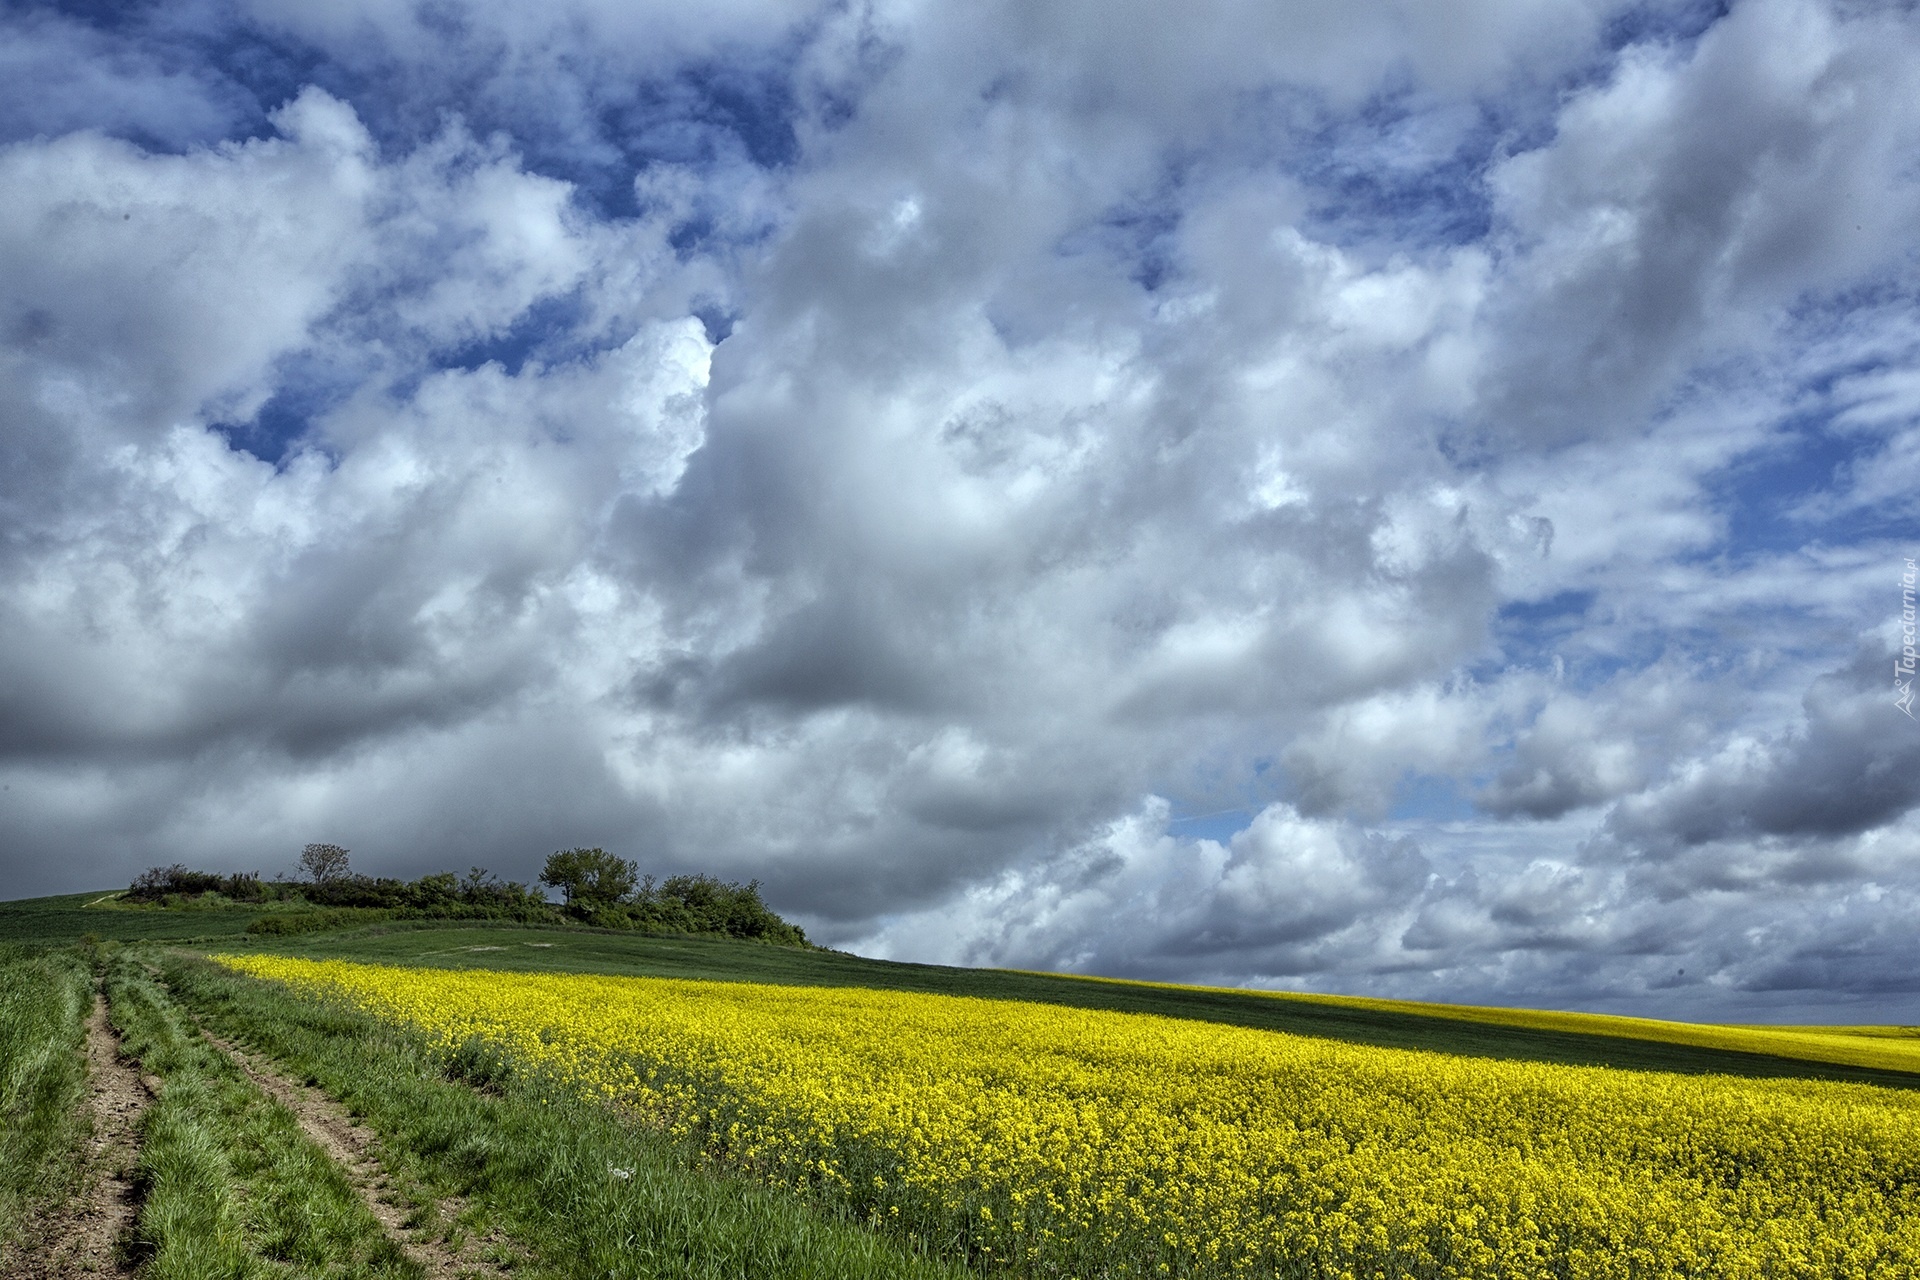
{"x": 1340, "y": 496}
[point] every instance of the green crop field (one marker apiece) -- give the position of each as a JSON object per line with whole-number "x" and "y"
{"x": 489, "y": 1153}
{"x": 66, "y": 919}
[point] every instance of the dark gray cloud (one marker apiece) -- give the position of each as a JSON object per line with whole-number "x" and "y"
{"x": 1851, "y": 765}
{"x": 1331, "y": 496}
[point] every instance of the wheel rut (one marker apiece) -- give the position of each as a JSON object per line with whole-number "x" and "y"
{"x": 354, "y": 1147}
{"x": 91, "y": 1234}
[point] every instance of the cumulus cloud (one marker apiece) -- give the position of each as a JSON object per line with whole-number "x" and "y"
{"x": 58, "y": 75}
{"x": 1846, "y": 769}
{"x": 1285, "y": 897}
{"x": 1326, "y": 496}
{"x": 1687, "y": 195}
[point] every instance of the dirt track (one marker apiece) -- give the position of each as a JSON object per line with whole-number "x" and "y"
{"x": 352, "y": 1147}
{"x": 89, "y": 1235}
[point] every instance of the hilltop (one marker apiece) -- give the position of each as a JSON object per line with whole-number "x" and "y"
{"x": 600, "y": 891}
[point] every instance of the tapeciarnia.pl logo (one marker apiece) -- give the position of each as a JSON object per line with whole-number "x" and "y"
{"x": 1904, "y": 664}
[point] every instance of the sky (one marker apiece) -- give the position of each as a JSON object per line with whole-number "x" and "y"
{"x": 1353, "y": 495}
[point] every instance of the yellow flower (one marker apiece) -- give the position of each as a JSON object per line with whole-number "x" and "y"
{"x": 1079, "y": 1142}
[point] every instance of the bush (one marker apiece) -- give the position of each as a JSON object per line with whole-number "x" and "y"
{"x": 296, "y": 922}
{"x": 156, "y": 884}
{"x": 601, "y": 891}
{"x": 706, "y": 904}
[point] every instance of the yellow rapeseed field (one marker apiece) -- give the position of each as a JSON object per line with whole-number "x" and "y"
{"x": 1068, "y": 1142}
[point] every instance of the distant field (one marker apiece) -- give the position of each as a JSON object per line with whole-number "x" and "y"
{"x": 1886, "y": 1048}
{"x": 67, "y": 918}
{"x": 1887, "y": 1056}
{"x": 1515, "y": 1035}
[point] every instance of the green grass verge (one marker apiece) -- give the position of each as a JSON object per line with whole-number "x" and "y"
{"x": 593, "y": 1194}
{"x": 44, "y": 1000}
{"x": 234, "y": 1190}
{"x": 1514, "y": 1035}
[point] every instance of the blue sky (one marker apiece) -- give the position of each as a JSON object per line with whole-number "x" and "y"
{"x": 1371, "y": 497}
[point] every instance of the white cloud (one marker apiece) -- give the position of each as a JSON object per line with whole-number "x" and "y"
{"x": 1694, "y": 191}
{"x": 870, "y": 449}
{"x": 141, "y": 287}
{"x": 1281, "y": 898}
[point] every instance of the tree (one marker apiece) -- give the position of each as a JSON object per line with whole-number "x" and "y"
{"x": 324, "y": 863}
{"x": 157, "y": 882}
{"x": 589, "y": 878}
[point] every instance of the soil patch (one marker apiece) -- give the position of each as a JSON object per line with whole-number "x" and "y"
{"x": 90, "y": 1234}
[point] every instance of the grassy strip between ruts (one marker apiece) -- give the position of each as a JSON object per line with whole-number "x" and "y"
{"x": 589, "y": 1192}
{"x": 44, "y": 998}
{"x": 235, "y": 1191}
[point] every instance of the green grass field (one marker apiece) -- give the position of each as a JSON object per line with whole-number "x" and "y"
{"x": 44, "y": 1000}
{"x": 64, "y": 920}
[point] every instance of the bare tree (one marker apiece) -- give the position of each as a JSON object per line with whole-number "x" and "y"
{"x": 324, "y": 863}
